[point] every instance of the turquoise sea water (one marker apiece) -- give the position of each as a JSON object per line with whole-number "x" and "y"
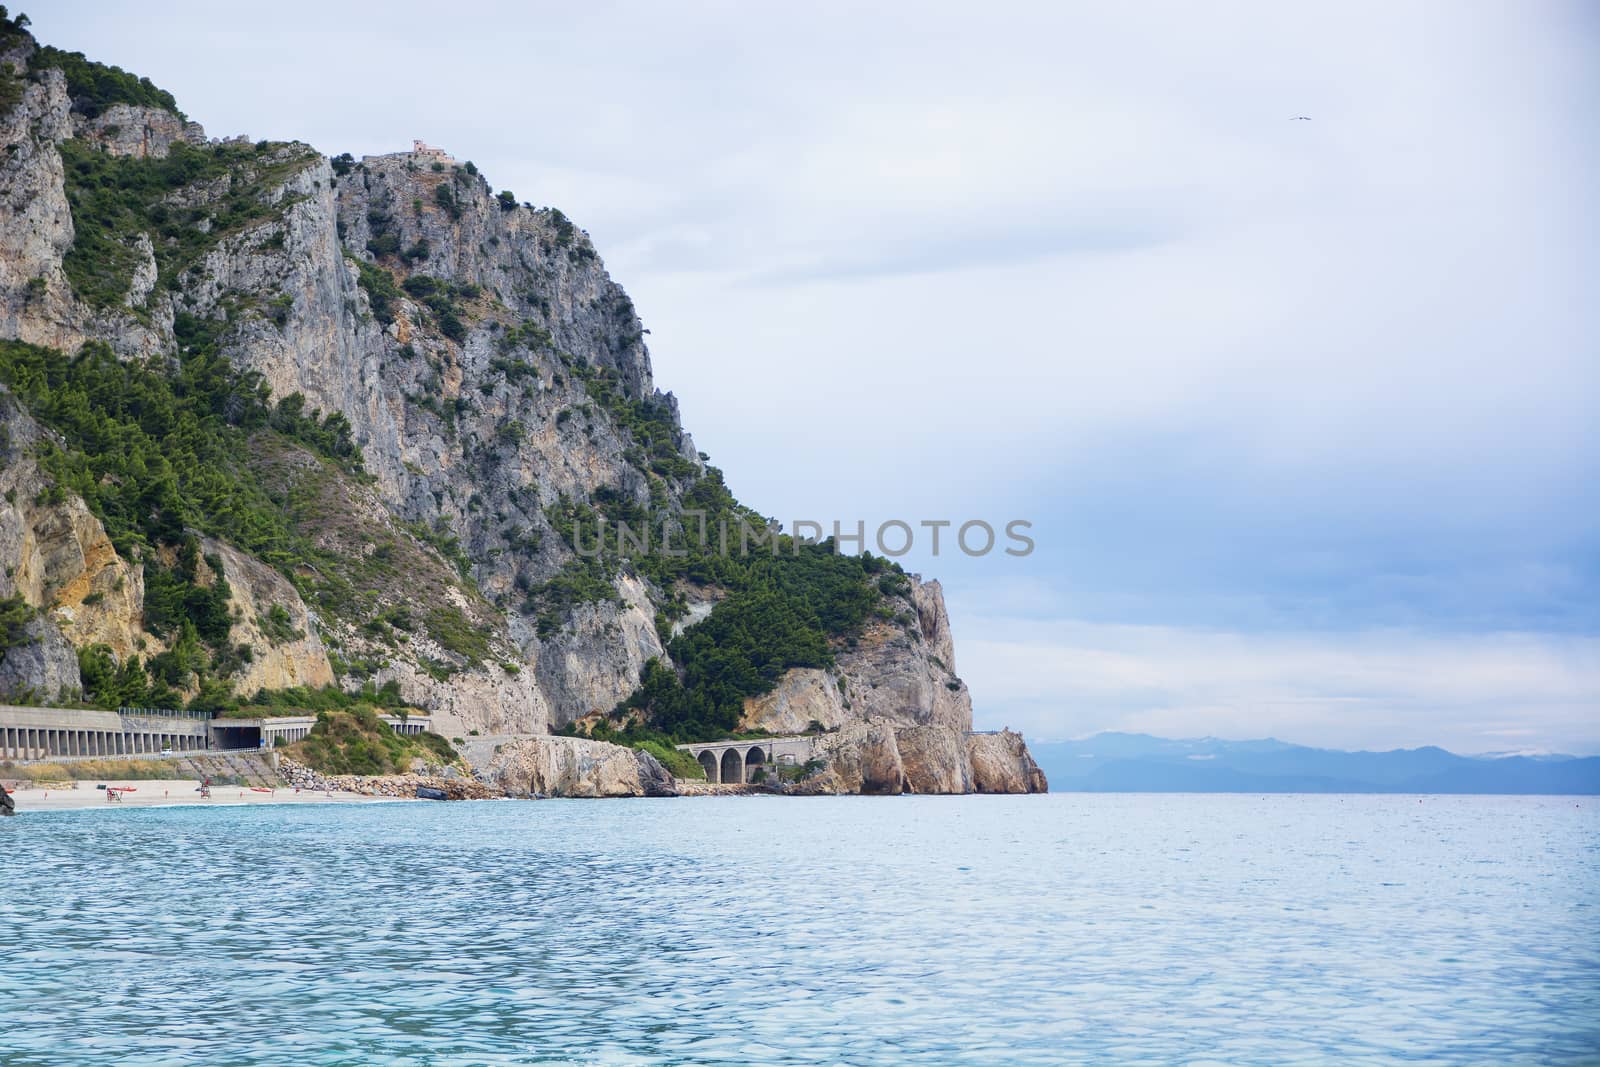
{"x": 1113, "y": 929}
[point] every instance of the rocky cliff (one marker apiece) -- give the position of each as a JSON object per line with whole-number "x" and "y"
{"x": 381, "y": 407}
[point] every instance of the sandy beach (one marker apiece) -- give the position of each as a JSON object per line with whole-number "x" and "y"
{"x": 158, "y": 793}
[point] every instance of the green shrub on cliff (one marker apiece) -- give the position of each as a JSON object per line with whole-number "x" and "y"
{"x": 15, "y": 614}
{"x": 108, "y": 684}
{"x": 94, "y": 87}
{"x": 116, "y": 198}
{"x": 355, "y": 741}
{"x": 382, "y": 293}
{"x": 678, "y": 764}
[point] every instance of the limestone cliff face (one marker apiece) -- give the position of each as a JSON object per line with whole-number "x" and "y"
{"x": 35, "y": 218}
{"x": 271, "y": 619}
{"x": 860, "y": 757}
{"x": 134, "y": 130}
{"x": 596, "y": 659}
{"x": 55, "y": 554}
{"x": 576, "y": 767}
{"x": 879, "y": 757}
{"x": 935, "y": 760}
{"x": 1001, "y": 764}
{"x": 43, "y": 666}
{"x": 901, "y": 669}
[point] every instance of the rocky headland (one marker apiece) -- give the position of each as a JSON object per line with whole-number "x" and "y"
{"x": 275, "y": 422}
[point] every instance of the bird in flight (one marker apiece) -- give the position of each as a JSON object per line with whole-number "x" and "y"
{"x": 1301, "y": 118}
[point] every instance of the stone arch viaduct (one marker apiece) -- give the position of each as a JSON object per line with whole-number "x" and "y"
{"x": 736, "y": 762}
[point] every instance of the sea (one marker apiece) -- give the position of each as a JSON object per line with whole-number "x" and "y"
{"x": 1058, "y": 929}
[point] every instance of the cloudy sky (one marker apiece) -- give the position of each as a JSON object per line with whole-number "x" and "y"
{"x": 1302, "y": 413}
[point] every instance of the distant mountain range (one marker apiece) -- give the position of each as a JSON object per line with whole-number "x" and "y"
{"x": 1139, "y": 763}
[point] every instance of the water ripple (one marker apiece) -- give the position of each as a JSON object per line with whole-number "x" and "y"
{"x": 1028, "y": 930}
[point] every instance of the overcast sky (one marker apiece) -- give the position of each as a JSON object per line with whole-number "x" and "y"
{"x": 1303, "y": 413}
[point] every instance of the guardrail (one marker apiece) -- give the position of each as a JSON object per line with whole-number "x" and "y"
{"x": 164, "y": 713}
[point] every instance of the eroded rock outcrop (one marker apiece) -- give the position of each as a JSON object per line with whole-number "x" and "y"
{"x": 860, "y": 757}
{"x": 879, "y": 757}
{"x": 138, "y": 131}
{"x": 56, "y": 555}
{"x": 934, "y": 759}
{"x": 576, "y": 767}
{"x": 1001, "y": 764}
{"x": 43, "y": 665}
{"x": 272, "y": 620}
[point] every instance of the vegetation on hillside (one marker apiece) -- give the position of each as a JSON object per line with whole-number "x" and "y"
{"x": 783, "y": 614}
{"x": 159, "y": 451}
{"x": 158, "y": 448}
{"x": 116, "y": 198}
{"x": 298, "y": 700}
{"x": 678, "y": 764}
{"x": 15, "y": 614}
{"x": 355, "y": 741}
{"x": 94, "y": 87}
{"x": 787, "y": 604}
